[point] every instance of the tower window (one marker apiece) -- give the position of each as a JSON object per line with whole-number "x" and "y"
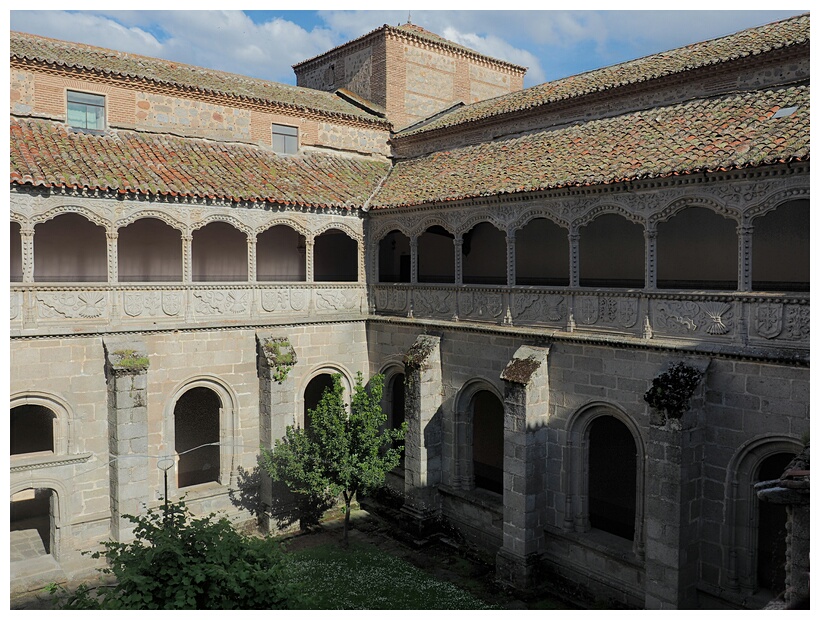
{"x": 285, "y": 139}
{"x": 85, "y": 110}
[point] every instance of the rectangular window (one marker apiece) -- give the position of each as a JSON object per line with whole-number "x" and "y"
{"x": 85, "y": 111}
{"x": 285, "y": 139}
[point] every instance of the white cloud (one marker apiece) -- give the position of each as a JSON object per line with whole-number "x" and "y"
{"x": 498, "y": 48}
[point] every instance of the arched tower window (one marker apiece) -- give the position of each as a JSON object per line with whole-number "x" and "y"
{"x": 313, "y": 394}
{"x": 32, "y": 429}
{"x": 771, "y": 530}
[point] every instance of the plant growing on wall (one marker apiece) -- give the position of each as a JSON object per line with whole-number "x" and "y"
{"x": 281, "y": 357}
{"x": 339, "y": 452}
{"x": 671, "y": 390}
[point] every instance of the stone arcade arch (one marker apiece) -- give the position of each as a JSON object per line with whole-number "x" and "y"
{"x": 393, "y": 399}
{"x": 586, "y": 478}
{"x": 436, "y": 258}
{"x": 484, "y": 255}
{"x": 479, "y": 437}
{"x": 394, "y": 257}
{"x": 780, "y": 248}
{"x": 207, "y": 416}
{"x": 697, "y": 248}
{"x": 611, "y": 252}
{"x": 764, "y": 456}
{"x": 149, "y": 250}
{"x": 59, "y": 415}
{"x": 541, "y": 254}
{"x": 219, "y": 253}
{"x": 280, "y": 255}
{"x": 315, "y": 384}
{"x": 335, "y": 257}
{"x": 70, "y": 248}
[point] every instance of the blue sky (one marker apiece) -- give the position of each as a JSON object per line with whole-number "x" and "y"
{"x": 552, "y": 44}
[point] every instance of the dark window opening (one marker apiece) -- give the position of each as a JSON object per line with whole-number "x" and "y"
{"x": 436, "y": 258}
{"x": 611, "y": 253}
{"x": 612, "y": 477}
{"x": 32, "y": 429}
{"x": 149, "y": 250}
{"x": 542, "y": 254}
{"x": 484, "y": 255}
{"x": 335, "y": 257}
{"x": 771, "y": 530}
{"x": 16, "y": 254}
{"x": 781, "y": 250}
{"x": 394, "y": 258}
{"x": 314, "y": 392}
{"x": 488, "y": 442}
{"x": 196, "y": 432}
{"x": 395, "y": 417}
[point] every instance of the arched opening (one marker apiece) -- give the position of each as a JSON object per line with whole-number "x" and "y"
{"x": 611, "y": 253}
{"x": 780, "y": 249}
{"x": 697, "y": 249}
{"x": 32, "y": 526}
{"x": 149, "y": 250}
{"x": 70, "y": 248}
{"x": 196, "y": 437}
{"x": 542, "y": 254}
{"x": 32, "y": 429}
{"x": 612, "y": 473}
{"x": 16, "y": 256}
{"x": 219, "y": 253}
{"x": 335, "y": 257}
{"x": 436, "y": 261}
{"x": 488, "y": 441}
{"x": 484, "y": 255}
{"x": 313, "y": 394}
{"x": 394, "y": 257}
{"x": 280, "y": 255}
{"x": 771, "y": 530}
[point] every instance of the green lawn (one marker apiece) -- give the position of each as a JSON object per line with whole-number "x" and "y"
{"x": 363, "y": 577}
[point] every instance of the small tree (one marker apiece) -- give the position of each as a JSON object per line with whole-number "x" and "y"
{"x": 177, "y": 562}
{"x": 338, "y": 452}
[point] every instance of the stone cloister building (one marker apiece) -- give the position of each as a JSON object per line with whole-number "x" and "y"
{"x": 194, "y": 253}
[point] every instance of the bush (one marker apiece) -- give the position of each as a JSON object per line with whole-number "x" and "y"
{"x": 178, "y": 562}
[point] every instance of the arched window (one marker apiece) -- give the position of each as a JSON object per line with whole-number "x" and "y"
{"x": 697, "y": 249}
{"x": 313, "y": 394}
{"x": 484, "y": 255}
{"x": 32, "y": 515}
{"x": 32, "y": 429}
{"x": 394, "y": 257}
{"x": 488, "y": 441}
{"x": 69, "y": 248}
{"x": 771, "y": 529}
{"x": 780, "y": 249}
{"x": 197, "y": 437}
{"x": 219, "y": 254}
{"x": 611, "y": 253}
{"x": 542, "y": 254}
{"x": 395, "y": 405}
{"x": 612, "y": 471}
{"x": 16, "y": 257}
{"x": 280, "y": 255}
{"x": 436, "y": 260}
{"x": 335, "y": 257}
{"x": 149, "y": 250}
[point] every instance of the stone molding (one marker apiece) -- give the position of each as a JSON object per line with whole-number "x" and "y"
{"x": 27, "y": 463}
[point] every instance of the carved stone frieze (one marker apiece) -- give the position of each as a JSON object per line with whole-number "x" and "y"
{"x": 15, "y": 300}
{"x": 337, "y": 299}
{"x": 480, "y": 305}
{"x": 694, "y": 318}
{"x": 434, "y": 303}
{"x": 71, "y": 304}
{"x": 391, "y": 300}
{"x": 152, "y": 303}
{"x": 221, "y": 302}
{"x": 782, "y": 321}
{"x": 284, "y": 300}
{"x": 538, "y": 308}
{"x": 602, "y": 310}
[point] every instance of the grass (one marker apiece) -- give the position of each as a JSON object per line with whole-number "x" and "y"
{"x": 363, "y": 577}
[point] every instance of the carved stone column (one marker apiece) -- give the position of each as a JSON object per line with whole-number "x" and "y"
{"x": 414, "y": 260}
{"x": 309, "y": 259}
{"x": 126, "y": 372}
{"x": 113, "y": 259}
{"x": 187, "y": 259}
{"x": 651, "y": 266}
{"x": 251, "y": 258}
{"x": 422, "y": 443}
{"x": 458, "y": 244}
{"x": 27, "y": 243}
{"x": 574, "y": 262}
{"x": 744, "y": 262}
{"x": 510, "y": 258}
{"x": 526, "y": 413}
{"x": 361, "y": 275}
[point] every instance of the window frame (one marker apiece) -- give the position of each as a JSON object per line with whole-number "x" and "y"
{"x": 103, "y": 120}
{"x": 289, "y": 136}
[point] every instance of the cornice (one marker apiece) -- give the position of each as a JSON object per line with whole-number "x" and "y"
{"x": 27, "y": 463}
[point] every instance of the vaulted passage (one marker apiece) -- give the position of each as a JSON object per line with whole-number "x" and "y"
{"x": 335, "y": 257}
{"x": 394, "y": 257}
{"x": 280, "y": 255}
{"x": 70, "y": 248}
{"x": 436, "y": 261}
{"x": 149, "y": 250}
{"x": 220, "y": 254}
{"x": 488, "y": 441}
{"x": 196, "y": 432}
{"x": 32, "y": 429}
{"x": 612, "y": 477}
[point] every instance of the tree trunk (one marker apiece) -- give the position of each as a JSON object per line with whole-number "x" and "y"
{"x": 347, "y": 516}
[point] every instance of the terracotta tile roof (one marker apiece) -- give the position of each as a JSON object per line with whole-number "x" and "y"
{"x": 750, "y": 42}
{"x": 419, "y": 33}
{"x": 730, "y": 131}
{"x": 199, "y": 79}
{"x": 47, "y": 154}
